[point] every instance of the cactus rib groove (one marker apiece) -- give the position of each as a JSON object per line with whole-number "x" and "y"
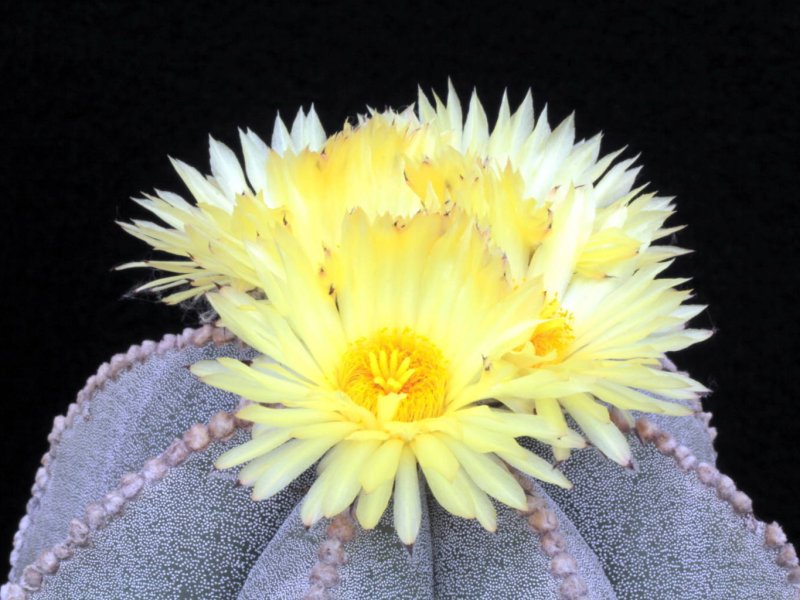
{"x": 80, "y": 408}
{"x": 221, "y": 427}
{"x": 774, "y": 537}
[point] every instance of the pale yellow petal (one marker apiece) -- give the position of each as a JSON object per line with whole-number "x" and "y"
{"x": 452, "y": 495}
{"x": 371, "y": 506}
{"x": 289, "y": 461}
{"x": 286, "y": 417}
{"x": 343, "y": 484}
{"x": 434, "y": 454}
{"x": 535, "y": 466}
{"x": 629, "y": 399}
{"x": 258, "y": 446}
{"x": 337, "y": 430}
{"x": 600, "y": 431}
{"x": 382, "y": 465}
{"x": 489, "y": 474}
{"x": 364, "y": 435}
{"x": 485, "y": 512}
{"x": 407, "y": 503}
{"x": 549, "y": 409}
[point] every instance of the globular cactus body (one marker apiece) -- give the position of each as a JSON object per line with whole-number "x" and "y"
{"x": 128, "y": 505}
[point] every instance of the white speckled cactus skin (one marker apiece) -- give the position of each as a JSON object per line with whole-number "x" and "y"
{"x": 128, "y": 505}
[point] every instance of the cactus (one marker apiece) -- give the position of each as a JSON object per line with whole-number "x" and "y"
{"x": 420, "y": 316}
{"x": 127, "y": 504}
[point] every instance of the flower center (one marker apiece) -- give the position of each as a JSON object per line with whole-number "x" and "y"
{"x": 553, "y": 337}
{"x": 396, "y": 362}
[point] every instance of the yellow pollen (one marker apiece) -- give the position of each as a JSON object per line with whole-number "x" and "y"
{"x": 396, "y": 362}
{"x": 553, "y": 336}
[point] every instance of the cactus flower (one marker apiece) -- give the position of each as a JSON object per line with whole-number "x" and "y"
{"x": 357, "y": 214}
{"x": 382, "y": 359}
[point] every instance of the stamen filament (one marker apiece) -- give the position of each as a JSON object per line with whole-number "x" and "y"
{"x": 396, "y": 362}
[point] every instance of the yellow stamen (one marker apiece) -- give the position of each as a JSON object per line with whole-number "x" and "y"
{"x": 396, "y": 362}
{"x": 553, "y": 336}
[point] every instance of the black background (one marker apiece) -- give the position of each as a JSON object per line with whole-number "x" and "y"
{"x": 94, "y": 96}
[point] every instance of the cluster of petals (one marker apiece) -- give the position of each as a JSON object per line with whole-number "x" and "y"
{"x": 425, "y": 290}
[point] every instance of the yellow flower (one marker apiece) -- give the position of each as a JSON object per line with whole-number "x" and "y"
{"x": 210, "y": 236}
{"x": 355, "y": 263}
{"x": 380, "y": 361}
{"x": 601, "y": 338}
{"x": 400, "y": 163}
{"x": 553, "y": 336}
